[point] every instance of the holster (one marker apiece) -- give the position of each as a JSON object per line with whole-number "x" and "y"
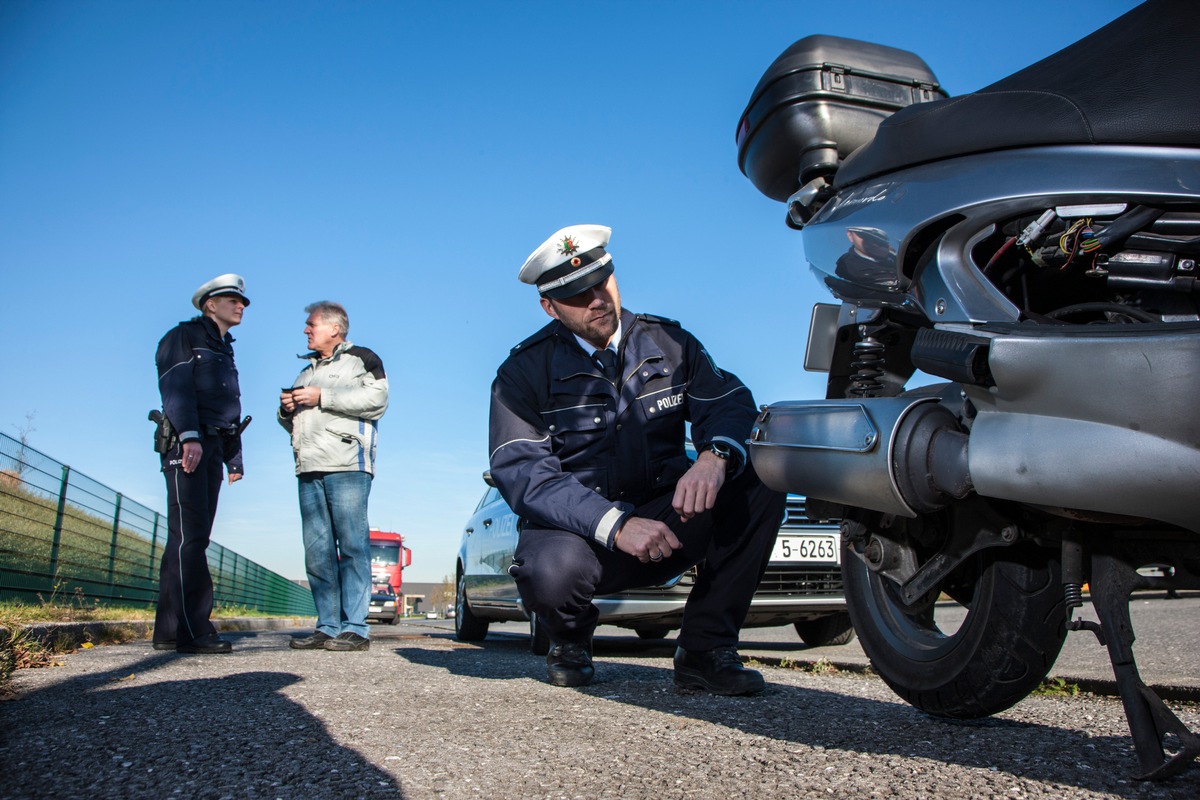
{"x": 164, "y": 433}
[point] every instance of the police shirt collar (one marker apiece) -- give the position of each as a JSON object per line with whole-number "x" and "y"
{"x": 214, "y": 330}
{"x": 614, "y": 343}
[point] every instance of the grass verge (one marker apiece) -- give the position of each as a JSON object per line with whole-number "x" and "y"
{"x": 20, "y": 649}
{"x": 17, "y": 613}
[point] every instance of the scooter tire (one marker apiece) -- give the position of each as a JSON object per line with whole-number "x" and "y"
{"x": 1013, "y": 631}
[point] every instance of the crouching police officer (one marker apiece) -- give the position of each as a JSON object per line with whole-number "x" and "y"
{"x": 202, "y": 403}
{"x": 587, "y": 445}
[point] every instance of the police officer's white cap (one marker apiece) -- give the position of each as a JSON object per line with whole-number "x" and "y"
{"x": 571, "y": 261}
{"x": 229, "y": 283}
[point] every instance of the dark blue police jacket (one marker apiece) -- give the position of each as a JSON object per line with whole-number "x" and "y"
{"x": 198, "y": 381}
{"x": 572, "y": 451}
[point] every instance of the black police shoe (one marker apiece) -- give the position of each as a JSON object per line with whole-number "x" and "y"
{"x": 347, "y": 640}
{"x": 164, "y": 644}
{"x": 719, "y": 671}
{"x": 570, "y": 664}
{"x": 212, "y": 644}
{"x": 315, "y": 642}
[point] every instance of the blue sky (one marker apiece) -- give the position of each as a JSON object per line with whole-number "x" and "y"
{"x": 403, "y": 159}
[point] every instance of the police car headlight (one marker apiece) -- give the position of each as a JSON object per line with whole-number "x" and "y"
{"x": 390, "y": 604}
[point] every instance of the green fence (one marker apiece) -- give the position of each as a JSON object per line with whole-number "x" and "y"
{"x": 63, "y": 534}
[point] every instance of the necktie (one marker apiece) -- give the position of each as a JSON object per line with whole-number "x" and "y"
{"x": 607, "y": 361}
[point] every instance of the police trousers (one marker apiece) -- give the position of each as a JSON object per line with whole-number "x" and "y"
{"x": 558, "y": 572}
{"x": 185, "y": 587}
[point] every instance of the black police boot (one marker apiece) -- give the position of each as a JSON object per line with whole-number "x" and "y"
{"x": 719, "y": 671}
{"x": 212, "y": 644}
{"x": 570, "y": 664}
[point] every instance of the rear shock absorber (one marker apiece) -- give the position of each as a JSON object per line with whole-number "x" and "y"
{"x": 866, "y": 366}
{"x": 1072, "y": 570}
{"x": 1072, "y": 577}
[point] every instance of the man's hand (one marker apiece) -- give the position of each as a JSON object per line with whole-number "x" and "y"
{"x": 286, "y": 402}
{"x": 306, "y": 396}
{"x": 697, "y": 490}
{"x": 190, "y": 456}
{"x": 234, "y": 477}
{"x": 646, "y": 539}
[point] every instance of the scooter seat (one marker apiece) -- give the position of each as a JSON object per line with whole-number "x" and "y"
{"x": 1133, "y": 82}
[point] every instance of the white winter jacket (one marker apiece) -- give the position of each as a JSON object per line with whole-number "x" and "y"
{"x": 340, "y": 434}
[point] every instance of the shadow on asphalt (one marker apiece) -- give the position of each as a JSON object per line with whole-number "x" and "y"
{"x": 822, "y": 719}
{"x": 233, "y": 736}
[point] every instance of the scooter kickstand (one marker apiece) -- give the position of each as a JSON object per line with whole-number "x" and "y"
{"x": 1150, "y": 721}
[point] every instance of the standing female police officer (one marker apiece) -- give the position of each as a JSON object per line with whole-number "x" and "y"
{"x": 199, "y": 386}
{"x": 587, "y": 437}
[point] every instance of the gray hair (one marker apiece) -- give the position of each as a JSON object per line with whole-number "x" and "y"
{"x": 332, "y": 313}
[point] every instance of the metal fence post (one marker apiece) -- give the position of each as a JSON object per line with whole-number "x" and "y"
{"x": 112, "y": 547}
{"x": 153, "y": 547}
{"x": 235, "y": 593}
{"x": 220, "y": 573}
{"x": 58, "y": 523}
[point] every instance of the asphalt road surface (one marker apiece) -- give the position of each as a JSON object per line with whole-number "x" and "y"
{"x": 422, "y": 716}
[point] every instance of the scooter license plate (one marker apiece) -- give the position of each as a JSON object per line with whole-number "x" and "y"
{"x": 821, "y": 549}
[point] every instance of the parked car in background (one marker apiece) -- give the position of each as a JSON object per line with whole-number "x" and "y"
{"x": 385, "y": 604}
{"x": 802, "y": 585}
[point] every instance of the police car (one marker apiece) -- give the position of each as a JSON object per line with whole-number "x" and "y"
{"x": 801, "y": 587}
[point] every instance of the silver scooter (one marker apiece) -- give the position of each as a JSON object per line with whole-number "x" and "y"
{"x": 1013, "y": 402}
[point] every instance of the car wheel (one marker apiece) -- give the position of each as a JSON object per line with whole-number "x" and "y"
{"x": 467, "y": 626}
{"x": 833, "y": 629}
{"x": 1001, "y": 650}
{"x": 652, "y": 633}
{"x": 539, "y": 640}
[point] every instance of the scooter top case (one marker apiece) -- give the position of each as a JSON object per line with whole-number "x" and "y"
{"x": 820, "y": 100}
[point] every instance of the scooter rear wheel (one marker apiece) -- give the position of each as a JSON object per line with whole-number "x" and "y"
{"x": 1004, "y": 646}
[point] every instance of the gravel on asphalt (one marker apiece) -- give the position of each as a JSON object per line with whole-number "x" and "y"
{"x": 422, "y": 716}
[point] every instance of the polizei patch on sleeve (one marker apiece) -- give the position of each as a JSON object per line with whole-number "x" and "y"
{"x": 713, "y": 364}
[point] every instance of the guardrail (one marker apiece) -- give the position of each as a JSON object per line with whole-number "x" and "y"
{"x": 66, "y": 536}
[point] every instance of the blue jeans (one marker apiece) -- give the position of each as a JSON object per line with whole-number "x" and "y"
{"x": 337, "y": 548}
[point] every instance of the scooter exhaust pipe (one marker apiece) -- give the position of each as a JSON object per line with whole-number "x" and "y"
{"x": 899, "y": 455}
{"x": 909, "y": 456}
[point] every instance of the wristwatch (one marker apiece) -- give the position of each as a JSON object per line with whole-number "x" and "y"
{"x": 723, "y": 452}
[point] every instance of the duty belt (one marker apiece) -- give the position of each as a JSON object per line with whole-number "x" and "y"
{"x": 217, "y": 430}
{"x": 226, "y": 430}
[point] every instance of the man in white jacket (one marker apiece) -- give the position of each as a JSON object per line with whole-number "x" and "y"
{"x": 332, "y": 411}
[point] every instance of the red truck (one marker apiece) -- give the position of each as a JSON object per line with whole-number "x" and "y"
{"x": 389, "y": 557}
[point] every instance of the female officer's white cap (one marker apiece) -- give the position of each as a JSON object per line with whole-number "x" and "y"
{"x": 571, "y": 261}
{"x": 229, "y": 283}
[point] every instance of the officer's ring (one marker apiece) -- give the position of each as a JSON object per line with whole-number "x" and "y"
{"x": 656, "y": 557}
